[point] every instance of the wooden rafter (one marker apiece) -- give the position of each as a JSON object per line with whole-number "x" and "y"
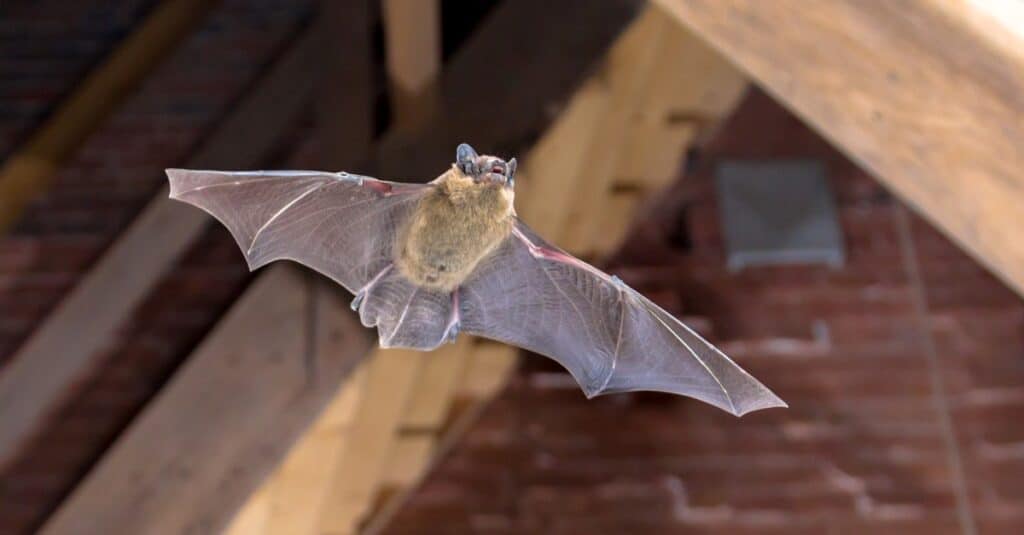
{"x": 29, "y": 170}
{"x": 258, "y": 381}
{"x": 915, "y": 91}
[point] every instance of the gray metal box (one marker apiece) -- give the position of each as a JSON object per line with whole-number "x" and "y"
{"x": 778, "y": 212}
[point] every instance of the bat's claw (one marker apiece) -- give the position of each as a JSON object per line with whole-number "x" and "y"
{"x": 455, "y": 320}
{"x": 357, "y": 301}
{"x": 453, "y": 333}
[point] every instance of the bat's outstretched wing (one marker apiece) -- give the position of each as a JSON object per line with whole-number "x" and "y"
{"x": 342, "y": 225}
{"x": 610, "y": 338}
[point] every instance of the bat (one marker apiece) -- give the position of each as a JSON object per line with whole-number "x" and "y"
{"x": 428, "y": 261}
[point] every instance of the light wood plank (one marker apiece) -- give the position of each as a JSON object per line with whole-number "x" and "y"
{"x": 631, "y": 64}
{"x": 30, "y": 169}
{"x": 64, "y": 348}
{"x": 226, "y": 419}
{"x": 551, "y": 176}
{"x": 410, "y": 457}
{"x": 909, "y": 90}
{"x": 426, "y": 412}
{"x": 433, "y": 392}
{"x": 412, "y": 31}
{"x": 295, "y": 491}
{"x": 490, "y": 369}
{"x": 693, "y": 90}
{"x": 356, "y": 477}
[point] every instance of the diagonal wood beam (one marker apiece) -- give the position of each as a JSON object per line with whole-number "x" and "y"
{"x": 29, "y": 170}
{"x": 914, "y": 91}
{"x": 224, "y": 421}
{"x": 64, "y": 348}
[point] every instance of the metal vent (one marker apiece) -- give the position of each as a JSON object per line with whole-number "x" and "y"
{"x": 778, "y": 212}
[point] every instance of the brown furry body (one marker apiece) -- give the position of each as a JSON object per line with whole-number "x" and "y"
{"x": 455, "y": 226}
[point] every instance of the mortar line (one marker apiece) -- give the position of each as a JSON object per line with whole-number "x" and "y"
{"x": 939, "y": 397}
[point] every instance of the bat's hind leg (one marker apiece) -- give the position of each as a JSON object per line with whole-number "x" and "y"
{"x": 451, "y": 330}
{"x": 362, "y": 293}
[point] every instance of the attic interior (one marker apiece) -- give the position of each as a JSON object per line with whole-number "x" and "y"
{"x": 830, "y": 195}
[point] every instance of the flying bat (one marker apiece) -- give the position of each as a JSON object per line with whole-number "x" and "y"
{"x": 428, "y": 261}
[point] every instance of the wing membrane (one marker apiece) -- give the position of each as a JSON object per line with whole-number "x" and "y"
{"x": 609, "y": 337}
{"x": 339, "y": 224}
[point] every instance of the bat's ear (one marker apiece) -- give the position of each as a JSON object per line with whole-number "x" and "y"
{"x": 511, "y": 171}
{"x": 465, "y": 154}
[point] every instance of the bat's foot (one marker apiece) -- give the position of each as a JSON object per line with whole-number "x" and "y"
{"x": 454, "y": 320}
{"x": 452, "y": 334}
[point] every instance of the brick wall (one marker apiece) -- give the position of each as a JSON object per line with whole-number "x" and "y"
{"x": 868, "y": 445}
{"x": 45, "y": 46}
{"x": 106, "y": 184}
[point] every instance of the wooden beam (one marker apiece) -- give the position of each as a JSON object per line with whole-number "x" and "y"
{"x": 30, "y": 169}
{"x": 225, "y": 420}
{"x": 391, "y": 376}
{"x": 64, "y": 348}
{"x": 913, "y": 93}
{"x": 426, "y": 413}
{"x": 629, "y": 68}
{"x": 667, "y": 89}
{"x": 289, "y": 502}
{"x": 548, "y": 181}
{"x": 432, "y": 398}
{"x": 412, "y": 29}
{"x": 490, "y": 366}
